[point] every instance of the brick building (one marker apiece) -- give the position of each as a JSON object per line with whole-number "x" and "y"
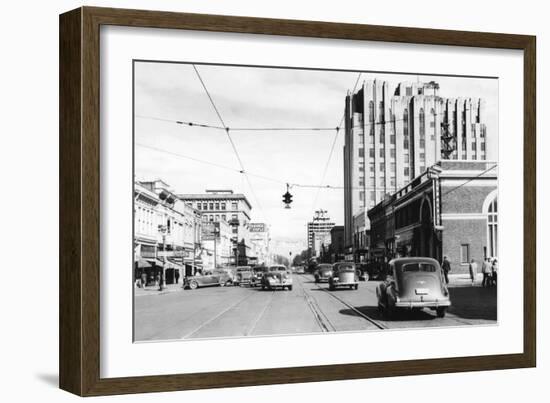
{"x": 449, "y": 210}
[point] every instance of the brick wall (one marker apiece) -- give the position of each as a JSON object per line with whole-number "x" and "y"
{"x": 472, "y": 232}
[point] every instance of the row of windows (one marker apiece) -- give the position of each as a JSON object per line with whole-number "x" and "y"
{"x": 216, "y": 206}
{"x": 217, "y": 217}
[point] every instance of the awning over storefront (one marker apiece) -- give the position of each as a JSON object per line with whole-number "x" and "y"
{"x": 142, "y": 263}
{"x": 155, "y": 262}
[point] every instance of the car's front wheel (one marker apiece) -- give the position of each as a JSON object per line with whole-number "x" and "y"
{"x": 193, "y": 285}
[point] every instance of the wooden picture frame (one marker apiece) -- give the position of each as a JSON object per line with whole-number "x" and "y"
{"x": 79, "y": 316}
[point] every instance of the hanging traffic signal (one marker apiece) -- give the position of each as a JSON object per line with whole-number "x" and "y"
{"x": 287, "y": 197}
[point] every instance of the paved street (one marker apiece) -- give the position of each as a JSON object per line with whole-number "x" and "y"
{"x": 308, "y": 308}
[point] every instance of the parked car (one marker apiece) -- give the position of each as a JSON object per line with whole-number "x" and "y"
{"x": 413, "y": 283}
{"x": 243, "y": 275}
{"x": 257, "y": 274}
{"x": 371, "y": 271}
{"x": 344, "y": 274}
{"x": 215, "y": 278}
{"x": 276, "y": 277}
{"x": 323, "y": 273}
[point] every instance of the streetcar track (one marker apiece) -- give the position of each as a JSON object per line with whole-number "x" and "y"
{"x": 375, "y": 322}
{"x": 318, "y": 313}
{"x": 189, "y": 334}
{"x": 251, "y": 328}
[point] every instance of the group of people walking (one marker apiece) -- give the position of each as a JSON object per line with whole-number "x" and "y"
{"x": 489, "y": 269}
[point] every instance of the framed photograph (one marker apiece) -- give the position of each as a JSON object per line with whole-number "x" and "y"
{"x": 249, "y": 201}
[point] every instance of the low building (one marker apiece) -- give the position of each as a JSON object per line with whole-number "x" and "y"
{"x": 450, "y": 210}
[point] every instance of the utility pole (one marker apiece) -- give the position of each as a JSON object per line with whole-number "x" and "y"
{"x": 162, "y": 284}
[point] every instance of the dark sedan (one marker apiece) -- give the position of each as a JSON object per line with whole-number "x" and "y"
{"x": 216, "y": 278}
{"x": 323, "y": 273}
{"x": 413, "y": 283}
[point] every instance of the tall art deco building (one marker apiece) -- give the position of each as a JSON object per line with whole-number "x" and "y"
{"x": 393, "y": 134}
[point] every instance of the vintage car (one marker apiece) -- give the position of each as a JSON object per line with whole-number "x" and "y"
{"x": 344, "y": 274}
{"x": 276, "y": 277}
{"x": 257, "y": 274}
{"x": 217, "y": 277}
{"x": 413, "y": 283}
{"x": 243, "y": 275}
{"x": 323, "y": 273}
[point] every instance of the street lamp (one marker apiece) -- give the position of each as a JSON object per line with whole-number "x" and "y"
{"x": 163, "y": 229}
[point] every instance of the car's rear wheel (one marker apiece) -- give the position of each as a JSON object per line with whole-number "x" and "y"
{"x": 228, "y": 282}
{"x": 289, "y": 288}
{"x": 193, "y": 285}
{"x": 441, "y": 312}
{"x": 356, "y": 286}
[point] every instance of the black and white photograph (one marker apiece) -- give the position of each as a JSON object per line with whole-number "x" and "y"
{"x": 272, "y": 201}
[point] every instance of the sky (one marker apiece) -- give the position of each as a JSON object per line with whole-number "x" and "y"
{"x": 192, "y": 159}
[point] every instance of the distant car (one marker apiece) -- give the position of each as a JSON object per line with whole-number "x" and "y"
{"x": 413, "y": 283}
{"x": 344, "y": 274}
{"x": 300, "y": 270}
{"x": 277, "y": 276}
{"x": 243, "y": 275}
{"x": 323, "y": 273}
{"x": 216, "y": 278}
{"x": 257, "y": 274}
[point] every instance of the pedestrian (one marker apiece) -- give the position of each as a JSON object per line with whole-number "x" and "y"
{"x": 143, "y": 279}
{"x": 486, "y": 269}
{"x": 446, "y": 266}
{"x": 494, "y": 269}
{"x": 177, "y": 276}
{"x": 473, "y": 270}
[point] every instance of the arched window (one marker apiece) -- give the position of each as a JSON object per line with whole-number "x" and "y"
{"x": 490, "y": 207}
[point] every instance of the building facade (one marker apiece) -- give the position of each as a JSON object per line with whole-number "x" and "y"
{"x": 217, "y": 205}
{"x": 167, "y": 232}
{"x": 391, "y": 136}
{"x": 260, "y": 243}
{"x": 318, "y": 231}
{"x": 449, "y": 210}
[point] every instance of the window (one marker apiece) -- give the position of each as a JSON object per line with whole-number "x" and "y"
{"x": 382, "y": 166}
{"x": 392, "y": 152}
{"x": 361, "y": 181}
{"x": 371, "y": 139}
{"x": 234, "y": 216}
{"x": 211, "y": 206}
{"x": 382, "y": 138}
{"x": 392, "y": 167}
{"x": 492, "y": 226}
{"x": 371, "y": 152}
{"x": 422, "y": 156}
{"x": 422, "y": 123}
{"x": 223, "y": 206}
{"x": 406, "y": 158}
{"x": 473, "y": 146}
{"x": 392, "y": 139}
{"x": 234, "y": 230}
{"x": 464, "y": 253}
{"x": 362, "y": 152}
{"x": 371, "y": 182}
{"x": 211, "y": 218}
{"x": 406, "y": 144}
{"x": 199, "y": 206}
{"x": 406, "y": 122}
{"x": 224, "y": 217}
{"x": 382, "y": 153}
{"x": 217, "y": 206}
{"x": 361, "y": 139}
{"x": 406, "y": 171}
{"x": 482, "y": 145}
{"x": 392, "y": 181}
{"x": 234, "y": 206}
{"x": 362, "y": 196}
{"x": 371, "y": 167}
{"x": 205, "y": 206}
{"x": 422, "y": 143}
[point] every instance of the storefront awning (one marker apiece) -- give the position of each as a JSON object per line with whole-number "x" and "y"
{"x": 142, "y": 263}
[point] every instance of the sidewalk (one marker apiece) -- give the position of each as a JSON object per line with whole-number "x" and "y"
{"x": 463, "y": 280}
{"x": 154, "y": 290}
